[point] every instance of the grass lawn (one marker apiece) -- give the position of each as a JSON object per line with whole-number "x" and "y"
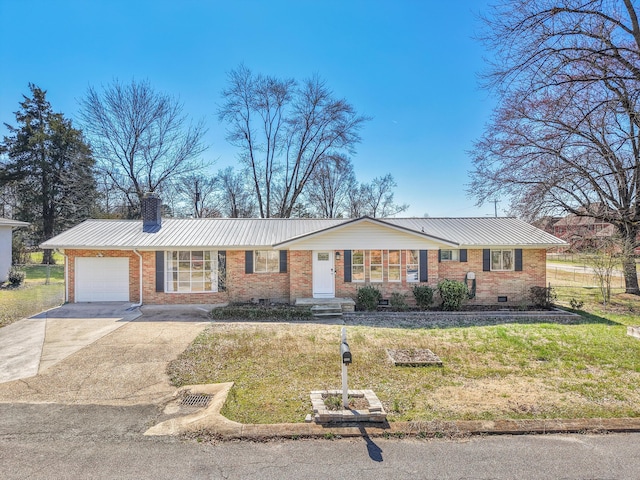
{"x": 590, "y": 368}
{"x": 34, "y": 295}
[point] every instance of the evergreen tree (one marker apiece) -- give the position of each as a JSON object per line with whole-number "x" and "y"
{"x": 51, "y": 166}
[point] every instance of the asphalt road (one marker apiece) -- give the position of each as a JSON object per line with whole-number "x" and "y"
{"x": 50, "y": 441}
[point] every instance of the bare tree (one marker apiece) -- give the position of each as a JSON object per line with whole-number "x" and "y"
{"x": 375, "y": 199}
{"x": 604, "y": 262}
{"x": 564, "y": 136}
{"x": 234, "y": 196}
{"x": 285, "y": 131}
{"x": 329, "y": 186}
{"x": 199, "y": 193}
{"x": 140, "y": 138}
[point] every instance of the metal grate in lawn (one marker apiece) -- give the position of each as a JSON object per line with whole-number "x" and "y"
{"x": 196, "y": 400}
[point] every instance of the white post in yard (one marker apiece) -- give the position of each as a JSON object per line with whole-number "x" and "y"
{"x": 345, "y": 399}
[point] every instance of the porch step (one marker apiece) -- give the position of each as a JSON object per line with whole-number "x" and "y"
{"x": 345, "y": 304}
{"x": 326, "y": 310}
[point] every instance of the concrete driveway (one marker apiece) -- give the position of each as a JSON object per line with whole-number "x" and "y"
{"x": 106, "y": 354}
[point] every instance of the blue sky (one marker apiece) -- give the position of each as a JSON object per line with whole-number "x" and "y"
{"x": 412, "y": 65}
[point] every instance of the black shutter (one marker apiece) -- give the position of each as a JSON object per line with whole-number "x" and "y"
{"x": 439, "y": 255}
{"x": 159, "y": 271}
{"x": 463, "y": 254}
{"x": 248, "y": 261}
{"x": 222, "y": 271}
{"x": 424, "y": 269}
{"x": 347, "y": 266}
{"x": 518, "y": 260}
{"x": 486, "y": 260}
{"x": 283, "y": 261}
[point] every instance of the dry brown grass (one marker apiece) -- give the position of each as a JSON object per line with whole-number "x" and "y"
{"x": 491, "y": 371}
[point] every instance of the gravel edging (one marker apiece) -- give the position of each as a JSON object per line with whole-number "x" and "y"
{"x": 448, "y": 319}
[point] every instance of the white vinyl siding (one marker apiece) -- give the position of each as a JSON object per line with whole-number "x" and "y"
{"x": 366, "y": 236}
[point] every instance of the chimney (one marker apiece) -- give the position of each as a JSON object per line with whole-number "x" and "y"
{"x": 150, "y": 207}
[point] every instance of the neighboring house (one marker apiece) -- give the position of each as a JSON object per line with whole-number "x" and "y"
{"x": 212, "y": 260}
{"x": 6, "y": 235}
{"x": 585, "y": 233}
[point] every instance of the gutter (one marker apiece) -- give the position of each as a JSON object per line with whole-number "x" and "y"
{"x": 66, "y": 275}
{"x": 139, "y": 304}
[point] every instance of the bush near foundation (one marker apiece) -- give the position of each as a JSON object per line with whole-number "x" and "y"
{"x": 368, "y": 298}
{"x": 423, "y": 295}
{"x": 453, "y": 294}
{"x": 16, "y": 276}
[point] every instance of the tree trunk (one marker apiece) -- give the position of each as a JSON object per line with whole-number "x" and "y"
{"x": 47, "y": 257}
{"x": 629, "y": 236}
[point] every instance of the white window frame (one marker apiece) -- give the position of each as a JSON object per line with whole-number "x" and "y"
{"x": 415, "y": 278}
{"x": 502, "y": 262}
{"x": 396, "y": 266}
{"x": 181, "y": 271}
{"x": 272, "y": 261}
{"x": 358, "y": 265}
{"x": 380, "y": 265}
{"x": 450, "y": 256}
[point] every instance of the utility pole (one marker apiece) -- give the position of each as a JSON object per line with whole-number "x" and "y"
{"x": 495, "y": 206}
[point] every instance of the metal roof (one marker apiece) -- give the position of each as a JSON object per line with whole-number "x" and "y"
{"x": 240, "y": 233}
{"x": 481, "y": 231}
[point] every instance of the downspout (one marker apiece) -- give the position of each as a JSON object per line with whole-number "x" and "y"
{"x": 66, "y": 276}
{"x": 139, "y": 304}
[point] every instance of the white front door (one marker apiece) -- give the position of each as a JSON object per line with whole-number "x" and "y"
{"x": 323, "y": 274}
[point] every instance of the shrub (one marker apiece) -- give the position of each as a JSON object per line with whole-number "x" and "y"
{"x": 16, "y": 276}
{"x": 398, "y": 301}
{"x": 368, "y": 298}
{"x": 453, "y": 293}
{"x": 542, "y": 296}
{"x": 423, "y": 295}
{"x": 258, "y": 312}
{"x": 576, "y": 304}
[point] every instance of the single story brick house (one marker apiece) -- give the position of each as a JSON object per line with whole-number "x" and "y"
{"x": 213, "y": 260}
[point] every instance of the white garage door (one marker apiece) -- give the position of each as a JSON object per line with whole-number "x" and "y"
{"x": 102, "y": 279}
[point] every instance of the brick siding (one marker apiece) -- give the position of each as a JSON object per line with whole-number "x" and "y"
{"x": 134, "y": 269}
{"x": 298, "y": 281}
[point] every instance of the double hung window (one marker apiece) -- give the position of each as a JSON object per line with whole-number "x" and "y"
{"x": 412, "y": 265}
{"x": 502, "y": 260}
{"x": 266, "y": 261}
{"x": 357, "y": 266}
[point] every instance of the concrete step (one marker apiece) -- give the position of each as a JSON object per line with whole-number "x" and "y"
{"x": 326, "y": 311}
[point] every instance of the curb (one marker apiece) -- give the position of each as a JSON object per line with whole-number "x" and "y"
{"x": 210, "y": 422}
{"x": 427, "y": 429}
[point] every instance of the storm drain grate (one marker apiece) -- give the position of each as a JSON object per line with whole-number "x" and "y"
{"x": 199, "y": 400}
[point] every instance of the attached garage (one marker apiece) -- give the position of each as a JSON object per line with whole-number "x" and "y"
{"x": 100, "y": 279}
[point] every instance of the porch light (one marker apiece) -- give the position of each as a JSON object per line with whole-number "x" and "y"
{"x": 338, "y": 256}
